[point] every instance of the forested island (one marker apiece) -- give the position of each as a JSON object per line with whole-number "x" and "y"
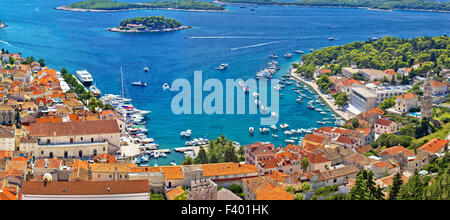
{"x": 109, "y": 5}
{"x": 431, "y": 53}
{"x": 431, "y": 5}
{"x": 149, "y": 24}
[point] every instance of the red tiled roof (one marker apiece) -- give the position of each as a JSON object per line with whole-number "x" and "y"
{"x": 434, "y": 145}
{"x": 384, "y": 122}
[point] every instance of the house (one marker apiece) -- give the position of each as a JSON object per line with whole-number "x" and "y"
{"x": 406, "y": 102}
{"x": 264, "y": 188}
{"x": 110, "y": 171}
{"x": 7, "y": 138}
{"x": 439, "y": 91}
{"x": 384, "y": 168}
{"x": 75, "y": 139}
{"x": 315, "y": 139}
{"x": 96, "y": 190}
{"x": 42, "y": 166}
{"x": 338, "y": 176}
{"x": 434, "y": 147}
{"x": 259, "y": 151}
{"x": 226, "y": 174}
{"x": 7, "y": 114}
{"x": 389, "y": 180}
{"x": 384, "y": 126}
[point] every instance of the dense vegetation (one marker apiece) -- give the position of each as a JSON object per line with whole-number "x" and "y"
{"x": 386, "y": 53}
{"x": 153, "y": 22}
{"x": 176, "y": 4}
{"x": 376, "y": 4}
{"x": 218, "y": 151}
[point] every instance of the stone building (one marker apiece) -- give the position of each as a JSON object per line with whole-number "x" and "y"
{"x": 203, "y": 190}
{"x": 426, "y": 108}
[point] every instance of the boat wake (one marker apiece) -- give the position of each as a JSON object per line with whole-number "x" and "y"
{"x": 256, "y": 45}
{"x": 1, "y": 41}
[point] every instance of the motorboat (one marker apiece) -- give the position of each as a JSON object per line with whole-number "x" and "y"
{"x": 146, "y": 69}
{"x": 288, "y": 55}
{"x": 95, "y": 91}
{"x": 300, "y": 51}
{"x": 222, "y": 66}
{"x": 166, "y": 86}
{"x": 251, "y": 130}
{"x": 139, "y": 83}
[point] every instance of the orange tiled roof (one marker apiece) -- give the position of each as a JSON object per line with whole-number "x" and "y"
{"x": 435, "y": 83}
{"x": 222, "y": 169}
{"x": 434, "y": 145}
{"x": 314, "y": 138}
{"x": 279, "y": 176}
{"x": 172, "y": 172}
{"x": 384, "y": 122}
{"x": 407, "y": 96}
{"x": 272, "y": 192}
{"x": 173, "y": 193}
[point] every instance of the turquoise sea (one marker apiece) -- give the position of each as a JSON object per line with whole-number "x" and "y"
{"x": 80, "y": 40}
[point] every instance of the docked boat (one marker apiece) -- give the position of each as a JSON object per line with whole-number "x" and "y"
{"x": 222, "y": 66}
{"x": 139, "y": 83}
{"x": 289, "y": 141}
{"x": 173, "y": 163}
{"x": 95, "y": 91}
{"x": 166, "y": 86}
{"x": 84, "y": 77}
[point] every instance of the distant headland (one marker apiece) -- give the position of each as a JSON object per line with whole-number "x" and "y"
{"x": 149, "y": 24}
{"x": 381, "y": 5}
{"x": 111, "y": 6}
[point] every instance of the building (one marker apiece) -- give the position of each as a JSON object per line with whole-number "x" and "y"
{"x": 103, "y": 190}
{"x": 75, "y": 139}
{"x": 202, "y": 190}
{"x": 7, "y": 138}
{"x": 439, "y": 91}
{"x": 7, "y": 114}
{"x": 264, "y": 188}
{"x": 384, "y": 168}
{"x": 434, "y": 146}
{"x": 406, "y": 102}
{"x": 110, "y": 171}
{"x": 384, "y": 126}
{"x": 336, "y": 176}
{"x": 426, "y": 107}
{"x": 259, "y": 151}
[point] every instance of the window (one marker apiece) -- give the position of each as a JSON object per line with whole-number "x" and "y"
{"x": 335, "y": 180}
{"x": 92, "y": 139}
{"x": 110, "y": 176}
{"x": 81, "y": 138}
{"x": 48, "y": 141}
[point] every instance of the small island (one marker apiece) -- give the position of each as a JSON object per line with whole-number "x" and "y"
{"x": 109, "y": 6}
{"x": 149, "y": 24}
{"x": 382, "y": 5}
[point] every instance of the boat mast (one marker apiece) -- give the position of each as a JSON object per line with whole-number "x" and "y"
{"x": 121, "y": 83}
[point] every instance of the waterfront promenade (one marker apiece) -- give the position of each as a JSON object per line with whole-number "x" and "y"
{"x": 326, "y": 97}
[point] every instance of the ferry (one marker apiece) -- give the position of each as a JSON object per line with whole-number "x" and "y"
{"x": 84, "y": 77}
{"x": 139, "y": 83}
{"x": 222, "y": 66}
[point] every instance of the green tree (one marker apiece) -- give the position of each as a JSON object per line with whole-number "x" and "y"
{"x": 299, "y": 196}
{"x": 394, "y": 190}
{"x": 305, "y": 164}
{"x": 156, "y": 196}
{"x": 342, "y": 99}
{"x": 364, "y": 188}
{"x": 355, "y": 122}
{"x": 201, "y": 158}
{"x": 413, "y": 189}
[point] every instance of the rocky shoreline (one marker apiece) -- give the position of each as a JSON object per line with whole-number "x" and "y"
{"x": 306, "y": 6}
{"x": 66, "y": 8}
{"x": 117, "y": 29}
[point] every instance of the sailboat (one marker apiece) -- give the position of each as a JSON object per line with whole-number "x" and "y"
{"x": 288, "y": 54}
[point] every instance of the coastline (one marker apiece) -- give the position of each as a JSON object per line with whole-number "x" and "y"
{"x": 317, "y": 6}
{"x": 331, "y": 104}
{"x": 117, "y": 29}
{"x": 66, "y": 8}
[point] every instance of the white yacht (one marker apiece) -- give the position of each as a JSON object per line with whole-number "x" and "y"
{"x": 166, "y": 86}
{"x": 222, "y": 66}
{"x": 84, "y": 77}
{"x": 251, "y": 130}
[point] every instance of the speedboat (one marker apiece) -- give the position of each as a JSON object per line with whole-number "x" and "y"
{"x": 222, "y": 66}
{"x": 139, "y": 83}
{"x": 274, "y": 127}
{"x": 273, "y": 56}
{"x": 250, "y": 130}
{"x": 146, "y": 69}
{"x": 173, "y": 163}
{"x": 274, "y": 135}
{"x": 166, "y": 86}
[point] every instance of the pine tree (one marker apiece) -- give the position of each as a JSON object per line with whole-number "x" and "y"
{"x": 395, "y": 188}
{"x": 201, "y": 158}
{"x": 364, "y": 188}
{"x": 413, "y": 189}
